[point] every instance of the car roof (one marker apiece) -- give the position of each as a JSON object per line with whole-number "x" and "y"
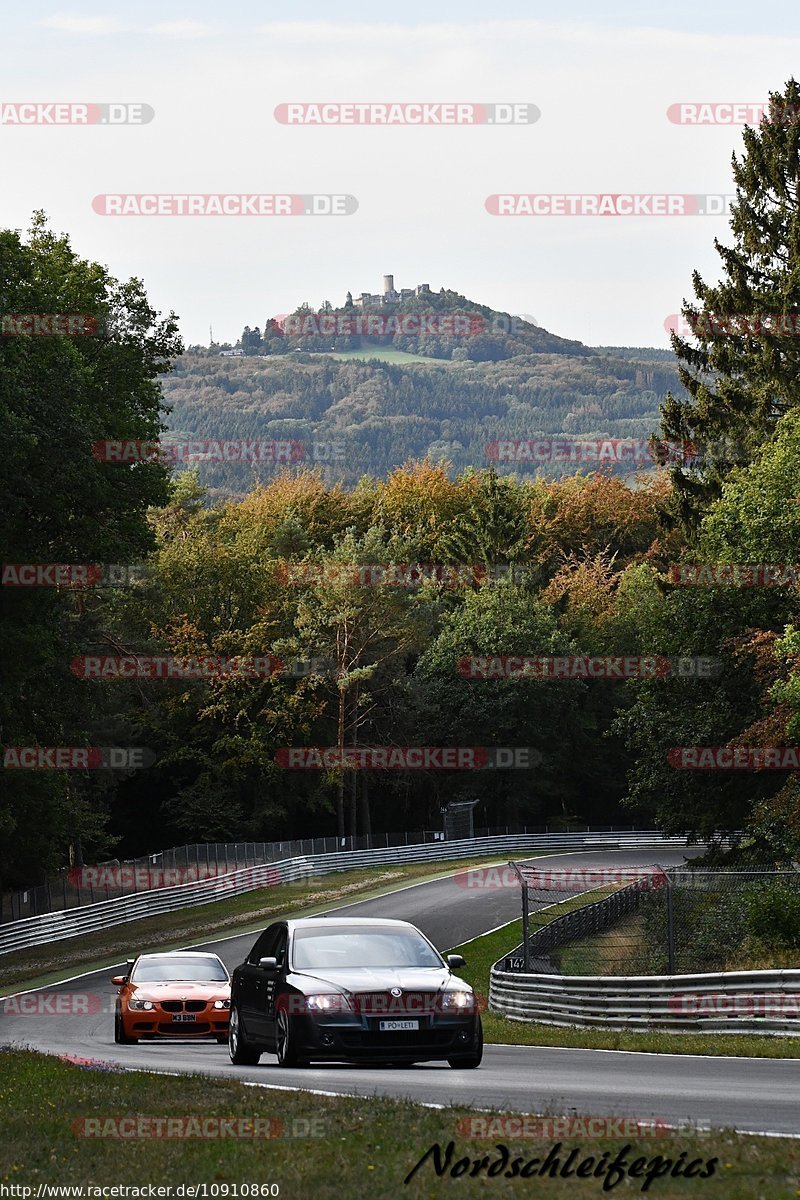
{"x": 180, "y": 953}
{"x": 322, "y": 922}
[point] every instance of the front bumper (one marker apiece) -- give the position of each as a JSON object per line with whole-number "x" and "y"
{"x": 160, "y": 1024}
{"x": 358, "y": 1038}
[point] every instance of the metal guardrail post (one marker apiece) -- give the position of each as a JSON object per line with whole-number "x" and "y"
{"x": 526, "y": 952}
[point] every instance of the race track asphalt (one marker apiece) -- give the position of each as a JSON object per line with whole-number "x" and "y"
{"x": 752, "y": 1095}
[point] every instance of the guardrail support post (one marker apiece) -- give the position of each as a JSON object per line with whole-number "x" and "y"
{"x": 670, "y": 927}
{"x": 526, "y": 950}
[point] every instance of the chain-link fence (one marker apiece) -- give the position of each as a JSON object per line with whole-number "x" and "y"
{"x": 77, "y": 886}
{"x": 649, "y": 920}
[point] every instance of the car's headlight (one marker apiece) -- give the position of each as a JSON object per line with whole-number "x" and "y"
{"x": 222, "y": 1004}
{"x": 327, "y": 1003}
{"x": 140, "y": 1004}
{"x": 458, "y": 1001}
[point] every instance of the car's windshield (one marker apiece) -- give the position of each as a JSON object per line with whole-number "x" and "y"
{"x": 329, "y": 948}
{"x": 162, "y": 970}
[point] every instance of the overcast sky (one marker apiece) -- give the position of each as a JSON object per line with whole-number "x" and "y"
{"x": 214, "y": 74}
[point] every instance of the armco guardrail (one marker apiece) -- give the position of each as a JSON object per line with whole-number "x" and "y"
{"x": 77, "y": 886}
{"x": 55, "y": 926}
{"x": 722, "y": 1002}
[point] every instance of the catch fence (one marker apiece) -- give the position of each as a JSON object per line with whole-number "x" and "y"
{"x": 653, "y": 920}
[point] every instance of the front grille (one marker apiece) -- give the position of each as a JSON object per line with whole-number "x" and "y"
{"x": 185, "y": 1030}
{"x": 384, "y": 1004}
{"x": 173, "y": 1006}
{"x": 416, "y": 1038}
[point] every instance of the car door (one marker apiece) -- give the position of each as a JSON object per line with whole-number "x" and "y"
{"x": 273, "y": 980}
{"x": 250, "y": 996}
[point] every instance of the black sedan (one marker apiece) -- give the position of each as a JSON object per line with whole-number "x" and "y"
{"x": 350, "y": 990}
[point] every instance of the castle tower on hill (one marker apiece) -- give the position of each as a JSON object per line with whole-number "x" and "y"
{"x": 390, "y": 295}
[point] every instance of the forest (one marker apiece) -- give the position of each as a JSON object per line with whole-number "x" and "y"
{"x": 366, "y": 595}
{"x": 380, "y": 415}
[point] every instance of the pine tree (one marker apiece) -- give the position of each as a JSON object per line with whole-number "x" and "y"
{"x": 744, "y": 371}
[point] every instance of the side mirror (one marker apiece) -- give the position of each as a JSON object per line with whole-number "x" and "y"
{"x": 455, "y": 960}
{"x": 269, "y": 964}
{"x": 119, "y": 980}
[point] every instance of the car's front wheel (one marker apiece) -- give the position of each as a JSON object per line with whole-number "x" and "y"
{"x": 286, "y": 1041}
{"x": 242, "y": 1052}
{"x": 472, "y": 1058}
{"x": 120, "y": 1036}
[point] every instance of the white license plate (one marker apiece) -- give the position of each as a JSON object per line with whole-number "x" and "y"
{"x": 184, "y": 1017}
{"x": 398, "y": 1026}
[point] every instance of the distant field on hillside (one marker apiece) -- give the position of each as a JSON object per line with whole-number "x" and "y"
{"x": 383, "y": 354}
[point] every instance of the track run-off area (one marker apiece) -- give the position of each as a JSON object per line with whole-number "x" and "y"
{"x": 751, "y": 1095}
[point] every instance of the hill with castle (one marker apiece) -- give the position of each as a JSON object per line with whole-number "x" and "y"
{"x": 416, "y": 320}
{"x": 381, "y": 390}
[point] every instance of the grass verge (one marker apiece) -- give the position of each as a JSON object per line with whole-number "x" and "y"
{"x": 484, "y": 951}
{"x": 626, "y": 948}
{"x": 251, "y": 911}
{"x": 357, "y": 1148}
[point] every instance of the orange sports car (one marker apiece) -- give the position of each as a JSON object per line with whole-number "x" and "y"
{"x": 186, "y": 993}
